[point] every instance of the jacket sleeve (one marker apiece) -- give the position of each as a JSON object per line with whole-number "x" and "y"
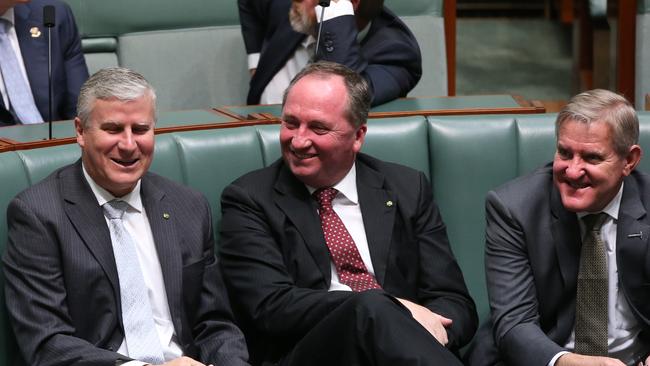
{"x": 511, "y": 289}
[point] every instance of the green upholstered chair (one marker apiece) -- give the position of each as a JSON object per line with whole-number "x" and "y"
{"x": 425, "y": 19}
{"x": 642, "y": 64}
{"x": 191, "y": 51}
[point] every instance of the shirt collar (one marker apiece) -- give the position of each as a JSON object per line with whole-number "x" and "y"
{"x": 612, "y": 207}
{"x": 9, "y": 16}
{"x": 346, "y": 186}
{"x": 364, "y": 32}
{"x": 132, "y": 198}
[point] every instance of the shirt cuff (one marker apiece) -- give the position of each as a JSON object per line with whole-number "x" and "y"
{"x": 336, "y": 9}
{"x": 554, "y": 359}
{"x": 135, "y": 363}
{"x": 253, "y": 60}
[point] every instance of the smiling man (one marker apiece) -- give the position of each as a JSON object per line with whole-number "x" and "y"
{"x": 333, "y": 257}
{"x": 107, "y": 264}
{"x": 567, "y": 248}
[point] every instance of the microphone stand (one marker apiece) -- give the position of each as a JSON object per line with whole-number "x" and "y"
{"x": 324, "y": 4}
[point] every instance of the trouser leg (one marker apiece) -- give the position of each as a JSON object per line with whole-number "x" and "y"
{"x": 371, "y": 328}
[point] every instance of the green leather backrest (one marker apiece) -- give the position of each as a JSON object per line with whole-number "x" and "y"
{"x": 425, "y": 19}
{"x": 642, "y": 54}
{"x": 190, "y": 68}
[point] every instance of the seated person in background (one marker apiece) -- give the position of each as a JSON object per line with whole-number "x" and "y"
{"x": 280, "y": 37}
{"x": 567, "y": 251}
{"x": 107, "y": 263}
{"x": 333, "y": 257}
{"x": 24, "y": 87}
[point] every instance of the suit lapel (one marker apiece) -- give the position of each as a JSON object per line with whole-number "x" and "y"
{"x": 378, "y": 216}
{"x": 566, "y": 237}
{"x": 87, "y": 217}
{"x": 294, "y": 200}
{"x": 33, "y": 49}
{"x": 274, "y": 55}
{"x": 632, "y": 234}
{"x": 166, "y": 239}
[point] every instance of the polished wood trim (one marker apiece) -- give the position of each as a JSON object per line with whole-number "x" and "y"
{"x": 626, "y": 48}
{"x": 449, "y": 11}
{"x": 647, "y": 102}
{"x": 229, "y": 113}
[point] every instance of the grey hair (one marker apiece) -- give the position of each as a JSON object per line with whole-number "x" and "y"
{"x": 601, "y": 105}
{"x": 359, "y": 96}
{"x": 112, "y": 83}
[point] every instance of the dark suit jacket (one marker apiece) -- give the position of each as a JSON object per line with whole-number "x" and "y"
{"x": 277, "y": 266}
{"x": 69, "y": 70}
{"x": 388, "y": 57}
{"x": 532, "y": 257}
{"x": 62, "y": 288}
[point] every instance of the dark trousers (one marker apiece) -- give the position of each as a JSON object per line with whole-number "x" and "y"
{"x": 371, "y": 328}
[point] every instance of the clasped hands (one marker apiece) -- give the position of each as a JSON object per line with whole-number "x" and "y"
{"x": 432, "y": 322}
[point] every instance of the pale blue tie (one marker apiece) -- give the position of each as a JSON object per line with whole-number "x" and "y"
{"x": 20, "y": 96}
{"x": 142, "y": 340}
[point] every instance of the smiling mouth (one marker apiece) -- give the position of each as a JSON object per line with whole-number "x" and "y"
{"x": 578, "y": 185}
{"x": 125, "y": 163}
{"x": 302, "y": 156}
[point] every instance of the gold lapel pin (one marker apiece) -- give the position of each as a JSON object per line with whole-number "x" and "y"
{"x": 389, "y": 203}
{"x": 166, "y": 216}
{"x": 35, "y": 32}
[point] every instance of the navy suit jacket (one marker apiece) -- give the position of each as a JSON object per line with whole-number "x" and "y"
{"x": 532, "y": 257}
{"x": 61, "y": 281}
{"x": 69, "y": 69}
{"x": 388, "y": 57}
{"x": 277, "y": 266}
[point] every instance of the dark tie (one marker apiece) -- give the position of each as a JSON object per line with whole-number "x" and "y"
{"x": 591, "y": 299}
{"x": 345, "y": 255}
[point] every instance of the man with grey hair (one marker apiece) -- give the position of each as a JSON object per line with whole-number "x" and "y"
{"x": 109, "y": 264}
{"x": 334, "y": 257}
{"x": 567, "y": 248}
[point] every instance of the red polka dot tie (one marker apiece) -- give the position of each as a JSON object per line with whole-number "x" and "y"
{"x": 345, "y": 255}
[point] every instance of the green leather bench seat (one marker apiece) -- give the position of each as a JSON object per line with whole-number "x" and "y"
{"x": 464, "y": 156}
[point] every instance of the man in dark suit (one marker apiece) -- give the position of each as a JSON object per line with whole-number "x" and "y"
{"x": 365, "y": 276}
{"x": 361, "y": 34}
{"x": 87, "y": 286}
{"x": 565, "y": 288}
{"x": 25, "y": 21}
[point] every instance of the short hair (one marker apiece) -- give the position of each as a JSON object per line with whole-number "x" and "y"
{"x": 359, "y": 96}
{"x": 369, "y": 9}
{"x": 113, "y": 83}
{"x": 601, "y": 105}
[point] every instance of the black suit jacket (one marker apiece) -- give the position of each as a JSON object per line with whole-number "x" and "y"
{"x": 62, "y": 288}
{"x": 388, "y": 57}
{"x": 69, "y": 70}
{"x": 277, "y": 266}
{"x": 532, "y": 258}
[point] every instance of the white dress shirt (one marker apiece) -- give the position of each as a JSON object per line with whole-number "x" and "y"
{"x": 622, "y": 327}
{"x": 137, "y": 224}
{"x": 13, "y": 39}
{"x": 346, "y": 205}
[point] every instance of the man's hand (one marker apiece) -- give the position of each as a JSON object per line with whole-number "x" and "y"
{"x": 183, "y": 361}
{"x": 432, "y": 322}
{"x": 646, "y": 363}
{"x": 574, "y": 359}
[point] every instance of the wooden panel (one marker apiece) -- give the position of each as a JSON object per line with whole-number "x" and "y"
{"x": 450, "y": 44}
{"x": 626, "y": 48}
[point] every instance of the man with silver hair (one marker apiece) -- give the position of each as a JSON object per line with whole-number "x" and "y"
{"x": 108, "y": 264}
{"x": 567, "y": 250}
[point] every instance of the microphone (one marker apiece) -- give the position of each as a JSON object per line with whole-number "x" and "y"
{"x": 324, "y": 4}
{"x": 48, "y": 22}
